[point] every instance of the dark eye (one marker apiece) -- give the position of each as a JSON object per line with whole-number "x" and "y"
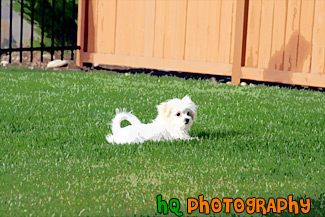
{"x": 188, "y": 113}
{"x": 178, "y": 114}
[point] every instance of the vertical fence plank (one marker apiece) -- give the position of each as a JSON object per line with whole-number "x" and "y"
{"x": 197, "y": 30}
{"x": 158, "y": 48}
{"x": 192, "y": 26}
{"x": 213, "y": 31}
{"x": 92, "y": 26}
{"x": 225, "y": 31}
{"x": 253, "y": 33}
{"x": 149, "y": 28}
{"x": 318, "y": 45}
{"x": 139, "y": 28}
{"x": 305, "y": 35}
{"x": 82, "y": 31}
{"x": 107, "y": 24}
{"x": 278, "y": 35}
{"x": 233, "y": 27}
{"x": 170, "y": 29}
{"x": 124, "y": 27}
{"x": 175, "y": 29}
{"x": 238, "y": 43}
{"x": 292, "y": 34}
{"x": 266, "y": 33}
{"x": 130, "y": 27}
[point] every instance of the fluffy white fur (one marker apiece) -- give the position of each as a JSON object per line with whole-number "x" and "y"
{"x": 175, "y": 117}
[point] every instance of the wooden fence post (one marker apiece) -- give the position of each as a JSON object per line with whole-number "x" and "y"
{"x": 240, "y": 42}
{"x": 81, "y": 34}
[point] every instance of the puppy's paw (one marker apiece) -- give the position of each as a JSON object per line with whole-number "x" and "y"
{"x": 195, "y": 138}
{"x": 110, "y": 139}
{"x": 191, "y": 138}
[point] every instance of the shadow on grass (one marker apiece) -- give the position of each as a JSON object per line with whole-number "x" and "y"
{"x": 218, "y": 134}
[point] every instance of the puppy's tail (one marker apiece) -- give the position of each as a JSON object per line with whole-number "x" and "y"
{"x": 121, "y": 116}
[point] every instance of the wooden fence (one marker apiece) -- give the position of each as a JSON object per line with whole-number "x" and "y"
{"x": 267, "y": 40}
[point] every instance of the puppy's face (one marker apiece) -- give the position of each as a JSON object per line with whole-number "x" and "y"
{"x": 178, "y": 113}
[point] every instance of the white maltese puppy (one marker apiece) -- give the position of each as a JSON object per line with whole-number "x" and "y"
{"x": 175, "y": 117}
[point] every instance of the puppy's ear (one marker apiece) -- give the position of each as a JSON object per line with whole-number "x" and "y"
{"x": 186, "y": 99}
{"x": 164, "y": 109}
{"x": 191, "y": 105}
{"x": 193, "y": 115}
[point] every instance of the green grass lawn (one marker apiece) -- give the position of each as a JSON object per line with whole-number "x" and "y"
{"x": 54, "y": 159}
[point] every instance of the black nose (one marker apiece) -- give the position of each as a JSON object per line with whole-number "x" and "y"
{"x": 187, "y": 120}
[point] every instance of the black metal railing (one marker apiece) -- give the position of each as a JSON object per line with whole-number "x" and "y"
{"x": 56, "y": 41}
